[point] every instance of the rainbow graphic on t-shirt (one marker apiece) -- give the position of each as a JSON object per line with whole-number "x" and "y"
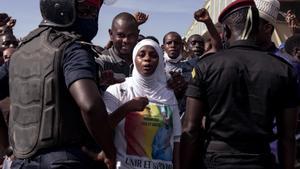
{"x": 148, "y": 133}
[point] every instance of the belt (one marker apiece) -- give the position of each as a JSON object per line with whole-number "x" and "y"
{"x": 221, "y": 146}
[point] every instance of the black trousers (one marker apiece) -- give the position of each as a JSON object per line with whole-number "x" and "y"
{"x": 68, "y": 158}
{"x": 220, "y": 155}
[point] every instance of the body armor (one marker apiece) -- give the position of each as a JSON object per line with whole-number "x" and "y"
{"x": 43, "y": 113}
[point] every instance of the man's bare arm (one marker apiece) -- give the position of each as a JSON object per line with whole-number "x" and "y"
{"x": 136, "y": 104}
{"x": 286, "y": 124}
{"x": 93, "y": 111}
{"x": 202, "y": 15}
{"x": 191, "y": 133}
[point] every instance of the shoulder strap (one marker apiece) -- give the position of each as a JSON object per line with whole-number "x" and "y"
{"x": 33, "y": 34}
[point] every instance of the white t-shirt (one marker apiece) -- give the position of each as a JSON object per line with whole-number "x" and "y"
{"x": 144, "y": 140}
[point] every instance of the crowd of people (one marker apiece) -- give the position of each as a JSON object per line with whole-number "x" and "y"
{"x": 227, "y": 99}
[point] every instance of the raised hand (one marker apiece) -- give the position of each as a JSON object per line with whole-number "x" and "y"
{"x": 108, "y": 45}
{"x": 140, "y": 17}
{"x": 292, "y": 21}
{"x": 177, "y": 83}
{"x": 107, "y": 78}
{"x": 202, "y": 15}
{"x": 11, "y": 23}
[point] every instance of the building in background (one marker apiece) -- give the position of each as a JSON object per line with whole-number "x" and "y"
{"x": 215, "y": 7}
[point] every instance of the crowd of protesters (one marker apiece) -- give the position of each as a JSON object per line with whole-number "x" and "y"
{"x": 227, "y": 99}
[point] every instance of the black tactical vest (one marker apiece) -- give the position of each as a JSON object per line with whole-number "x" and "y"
{"x": 43, "y": 113}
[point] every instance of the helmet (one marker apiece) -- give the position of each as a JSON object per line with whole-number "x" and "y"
{"x": 59, "y": 13}
{"x": 62, "y": 13}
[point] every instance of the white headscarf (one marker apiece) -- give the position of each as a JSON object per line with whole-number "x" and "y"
{"x": 154, "y": 87}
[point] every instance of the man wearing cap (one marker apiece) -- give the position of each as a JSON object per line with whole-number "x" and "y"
{"x": 240, "y": 90}
{"x": 268, "y": 12}
{"x": 56, "y": 107}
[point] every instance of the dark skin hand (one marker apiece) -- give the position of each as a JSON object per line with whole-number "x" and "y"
{"x": 134, "y": 105}
{"x": 11, "y": 23}
{"x": 178, "y": 84}
{"x": 140, "y": 17}
{"x": 202, "y": 15}
{"x": 99, "y": 157}
{"x": 108, "y": 45}
{"x": 185, "y": 50}
{"x": 107, "y": 78}
{"x": 292, "y": 22}
{"x": 93, "y": 111}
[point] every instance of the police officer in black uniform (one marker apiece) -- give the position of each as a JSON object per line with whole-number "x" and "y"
{"x": 241, "y": 90}
{"x": 56, "y": 107}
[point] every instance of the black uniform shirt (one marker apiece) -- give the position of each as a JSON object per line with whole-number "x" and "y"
{"x": 78, "y": 64}
{"x": 243, "y": 88}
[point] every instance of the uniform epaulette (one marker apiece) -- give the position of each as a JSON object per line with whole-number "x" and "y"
{"x": 95, "y": 48}
{"x": 205, "y": 55}
{"x": 98, "y": 49}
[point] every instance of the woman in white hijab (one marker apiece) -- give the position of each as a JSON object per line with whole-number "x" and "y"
{"x": 146, "y": 115}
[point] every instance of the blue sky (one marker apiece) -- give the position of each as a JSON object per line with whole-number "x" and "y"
{"x": 164, "y": 16}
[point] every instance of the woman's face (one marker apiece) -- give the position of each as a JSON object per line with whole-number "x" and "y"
{"x": 146, "y": 60}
